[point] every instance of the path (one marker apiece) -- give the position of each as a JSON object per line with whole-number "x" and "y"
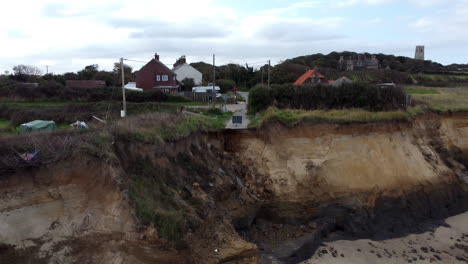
{"x": 239, "y": 110}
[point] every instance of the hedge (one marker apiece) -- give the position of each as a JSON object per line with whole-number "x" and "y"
{"x": 310, "y": 97}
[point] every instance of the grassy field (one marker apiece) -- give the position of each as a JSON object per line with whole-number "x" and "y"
{"x": 442, "y": 76}
{"x": 291, "y": 117}
{"x": 433, "y": 99}
{"x": 5, "y": 128}
{"x": 36, "y": 103}
{"x": 446, "y": 99}
{"x": 157, "y": 128}
{"x": 422, "y": 91}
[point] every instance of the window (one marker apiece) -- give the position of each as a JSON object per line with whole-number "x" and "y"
{"x": 174, "y": 78}
{"x": 165, "y": 78}
{"x": 158, "y": 78}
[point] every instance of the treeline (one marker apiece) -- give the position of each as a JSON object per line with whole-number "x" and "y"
{"x": 54, "y": 91}
{"x": 397, "y": 69}
{"x": 29, "y": 73}
{"x": 355, "y": 95}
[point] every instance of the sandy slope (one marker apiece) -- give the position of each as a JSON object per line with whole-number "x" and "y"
{"x": 444, "y": 245}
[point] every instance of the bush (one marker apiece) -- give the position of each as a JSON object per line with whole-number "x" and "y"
{"x": 355, "y": 95}
{"x": 51, "y": 147}
{"x": 226, "y": 85}
{"x": 54, "y": 91}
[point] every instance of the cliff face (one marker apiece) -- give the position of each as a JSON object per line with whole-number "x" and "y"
{"x": 366, "y": 180}
{"x": 280, "y": 188}
{"x": 320, "y": 162}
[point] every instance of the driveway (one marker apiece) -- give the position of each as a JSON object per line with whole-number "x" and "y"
{"x": 239, "y": 110}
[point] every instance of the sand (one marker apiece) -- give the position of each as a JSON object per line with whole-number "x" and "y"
{"x": 446, "y": 244}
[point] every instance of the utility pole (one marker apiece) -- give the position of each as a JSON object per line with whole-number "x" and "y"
{"x": 269, "y": 65}
{"x": 47, "y": 69}
{"x": 262, "y": 76}
{"x": 214, "y": 80}
{"x": 123, "y": 113}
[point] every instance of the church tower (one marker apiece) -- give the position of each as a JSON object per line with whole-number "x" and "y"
{"x": 419, "y": 55}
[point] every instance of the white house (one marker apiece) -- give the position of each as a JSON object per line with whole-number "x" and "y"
{"x": 184, "y": 70}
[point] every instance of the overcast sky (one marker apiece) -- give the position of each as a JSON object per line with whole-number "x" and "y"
{"x": 67, "y": 35}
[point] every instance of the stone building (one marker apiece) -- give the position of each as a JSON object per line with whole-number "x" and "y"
{"x": 419, "y": 54}
{"x": 359, "y": 62}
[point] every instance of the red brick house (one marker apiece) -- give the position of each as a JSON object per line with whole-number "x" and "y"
{"x": 156, "y": 75}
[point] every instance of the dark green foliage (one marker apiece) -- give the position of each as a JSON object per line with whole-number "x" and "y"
{"x": 55, "y": 91}
{"x": 154, "y": 199}
{"x": 226, "y": 85}
{"x": 69, "y": 113}
{"x": 214, "y": 111}
{"x": 355, "y": 95}
{"x": 188, "y": 84}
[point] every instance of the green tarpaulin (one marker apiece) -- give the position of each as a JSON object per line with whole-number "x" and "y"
{"x": 38, "y": 125}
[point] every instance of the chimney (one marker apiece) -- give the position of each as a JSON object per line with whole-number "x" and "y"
{"x": 156, "y": 56}
{"x": 180, "y": 61}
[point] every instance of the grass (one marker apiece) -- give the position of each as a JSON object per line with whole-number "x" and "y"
{"x": 446, "y": 99}
{"x": 35, "y": 103}
{"x": 442, "y": 76}
{"x": 291, "y": 117}
{"x": 191, "y": 103}
{"x": 5, "y": 127}
{"x": 157, "y": 128}
{"x": 435, "y": 99}
{"x": 154, "y": 200}
{"x": 421, "y": 91}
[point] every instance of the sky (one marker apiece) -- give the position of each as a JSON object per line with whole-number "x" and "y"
{"x": 68, "y": 35}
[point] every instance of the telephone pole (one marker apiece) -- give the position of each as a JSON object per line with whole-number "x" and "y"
{"x": 262, "y": 76}
{"x": 47, "y": 69}
{"x": 214, "y": 79}
{"x": 269, "y": 65}
{"x": 123, "y": 113}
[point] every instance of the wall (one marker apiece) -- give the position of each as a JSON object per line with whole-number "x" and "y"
{"x": 187, "y": 71}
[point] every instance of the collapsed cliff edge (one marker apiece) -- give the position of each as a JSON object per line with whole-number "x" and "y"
{"x": 269, "y": 195}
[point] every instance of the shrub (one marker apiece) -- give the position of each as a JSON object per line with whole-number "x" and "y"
{"x": 225, "y": 85}
{"x": 355, "y": 95}
{"x": 51, "y": 147}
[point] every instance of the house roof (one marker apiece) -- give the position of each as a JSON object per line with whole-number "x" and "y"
{"x": 164, "y": 65}
{"x": 309, "y": 74}
{"x": 182, "y": 65}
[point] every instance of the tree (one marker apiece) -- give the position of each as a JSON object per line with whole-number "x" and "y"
{"x": 26, "y": 72}
{"x": 89, "y": 72}
{"x": 188, "y": 84}
{"x": 225, "y": 85}
{"x": 128, "y": 75}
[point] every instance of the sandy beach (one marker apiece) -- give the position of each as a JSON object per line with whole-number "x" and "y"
{"x": 446, "y": 244}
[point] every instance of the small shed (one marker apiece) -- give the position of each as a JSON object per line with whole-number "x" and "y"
{"x": 38, "y": 125}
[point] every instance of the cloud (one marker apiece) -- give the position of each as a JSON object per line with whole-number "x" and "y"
{"x": 299, "y": 30}
{"x": 71, "y": 34}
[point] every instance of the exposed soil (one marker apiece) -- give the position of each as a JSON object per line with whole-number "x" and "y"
{"x": 273, "y": 195}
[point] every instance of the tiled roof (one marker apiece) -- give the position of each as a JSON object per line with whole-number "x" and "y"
{"x": 306, "y": 76}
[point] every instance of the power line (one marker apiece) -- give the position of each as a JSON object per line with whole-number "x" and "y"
{"x": 146, "y": 62}
{"x": 135, "y": 60}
